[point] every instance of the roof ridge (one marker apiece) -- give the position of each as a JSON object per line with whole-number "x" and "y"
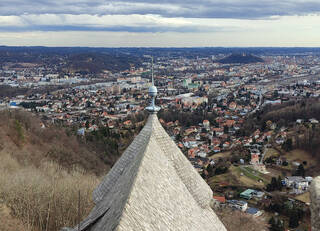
{"x": 113, "y": 175}
{"x": 194, "y": 183}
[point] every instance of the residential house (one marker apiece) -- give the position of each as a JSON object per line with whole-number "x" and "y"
{"x": 226, "y": 145}
{"x": 206, "y": 124}
{"x": 236, "y": 204}
{"x": 250, "y": 193}
{"x": 297, "y": 182}
{"x": 254, "y": 158}
{"x": 232, "y": 106}
{"x": 216, "y": 149}
{"x": 247, "y": 194}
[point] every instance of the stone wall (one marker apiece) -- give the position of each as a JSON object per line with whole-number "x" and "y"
{"x": 315, "y": 204}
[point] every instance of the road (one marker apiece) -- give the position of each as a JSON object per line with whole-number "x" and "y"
{"x": 258, "y": 106}
{"x": 263, "y": 154}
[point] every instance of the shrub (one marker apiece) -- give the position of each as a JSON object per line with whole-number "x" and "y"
{"x": 45, "y": 198}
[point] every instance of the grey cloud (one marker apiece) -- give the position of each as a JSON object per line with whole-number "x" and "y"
{"x": 175, "y": 8}
{"x": 135, "y": 29}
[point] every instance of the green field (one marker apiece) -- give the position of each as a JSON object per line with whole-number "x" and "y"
{"x": 248, "y": 178}
{"x": 220, "y": 155}
{"x": 255, "y": 175}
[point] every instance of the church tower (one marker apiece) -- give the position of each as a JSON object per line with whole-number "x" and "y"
{"x": 152, "y": 187}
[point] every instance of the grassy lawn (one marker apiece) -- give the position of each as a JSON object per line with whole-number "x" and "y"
{"x": 255, "y": 175}
{"x": 220, "y": 155}
{"x": 249, "y": 178}
{"x": 271, "y": 152}
{"x": 228, "y": 177}
{"x": 300, "y": 156}
{"x": 294, "y": 155}
{"x": 275, "y": 172}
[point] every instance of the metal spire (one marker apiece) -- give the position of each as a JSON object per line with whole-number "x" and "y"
{"x": 152, "y": 108}
{"x": 152, "y": 72}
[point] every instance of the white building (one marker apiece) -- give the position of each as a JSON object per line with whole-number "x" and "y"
{"x": 240, "y": 205}
{"x": 298, "y": 182}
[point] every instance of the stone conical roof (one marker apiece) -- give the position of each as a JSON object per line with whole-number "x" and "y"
{"x": 152, "y": 186}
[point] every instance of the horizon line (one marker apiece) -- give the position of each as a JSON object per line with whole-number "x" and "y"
{"x": 158, "y": 47}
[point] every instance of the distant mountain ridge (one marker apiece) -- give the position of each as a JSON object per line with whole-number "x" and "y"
{"x": 97, "y": 62}
{"x": 83, "y": 60}
{"x": 241, "y": 58}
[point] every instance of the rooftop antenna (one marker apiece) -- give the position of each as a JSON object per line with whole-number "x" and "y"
{"x": 153, "y": 91}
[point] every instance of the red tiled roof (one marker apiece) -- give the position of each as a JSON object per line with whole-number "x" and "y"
{"x": 220, "y": 199}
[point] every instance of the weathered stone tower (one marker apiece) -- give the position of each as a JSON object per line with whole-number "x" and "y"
{"x": 153, "y": 186}
{"x": 315, "y": 204}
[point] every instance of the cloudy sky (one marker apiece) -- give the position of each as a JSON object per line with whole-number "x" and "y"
{"x": 149, "y": 23}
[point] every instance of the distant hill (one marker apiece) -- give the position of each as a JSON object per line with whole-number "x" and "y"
{"x": 53, "y": 54}
{"x": 71, "y": 59}
{"x": 241, "y": 58}
{"x": 97, "y": 62}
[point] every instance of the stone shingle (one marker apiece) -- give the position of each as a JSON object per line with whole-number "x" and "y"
{"x": 153, "y": 186}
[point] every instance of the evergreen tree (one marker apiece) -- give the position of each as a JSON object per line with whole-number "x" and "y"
{"x": 210, "y": 170}
{"x": 274, "y": 183}
{"x": 300, "y": 171}
{"x": 287, "y": 145}
{"x": 225, "y": 129}
{"x": 279, "y": 225}
{"x": 87, "y": 124}
{"x": 178, "y": 137}
{"x": 272, "y": 221}
{"x": 276, "y": 224}
{"x": 294, "y": 219}
{"x": 279, "y": 183}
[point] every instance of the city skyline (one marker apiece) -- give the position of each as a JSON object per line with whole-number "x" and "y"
{"x": 146, "y": 23}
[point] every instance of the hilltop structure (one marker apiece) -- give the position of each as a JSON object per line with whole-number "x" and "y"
{"x": 153, "y": 186}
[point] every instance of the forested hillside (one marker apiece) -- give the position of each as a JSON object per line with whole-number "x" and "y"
{"x": 240, "y": 58}
{"x": 96, "y": 62}
{"x": 304, "y": 135}
{"x": 42, "y": 171}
